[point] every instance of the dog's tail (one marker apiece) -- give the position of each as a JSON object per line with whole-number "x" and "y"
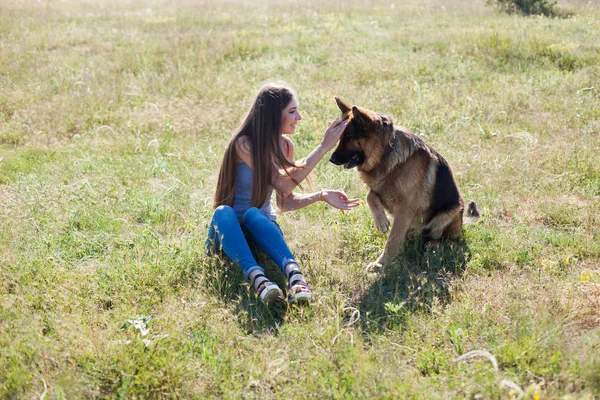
{"x": 471, "y": 213}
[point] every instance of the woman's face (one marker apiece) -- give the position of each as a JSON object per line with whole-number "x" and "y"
{"x": 290, "y": 117}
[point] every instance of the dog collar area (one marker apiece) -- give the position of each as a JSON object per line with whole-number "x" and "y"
{"x": 391, "y": 146}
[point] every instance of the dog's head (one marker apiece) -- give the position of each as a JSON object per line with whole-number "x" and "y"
{"x": 363, "y": 138}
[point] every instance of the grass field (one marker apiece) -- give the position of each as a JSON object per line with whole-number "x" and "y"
{"x": 113, "y": 119}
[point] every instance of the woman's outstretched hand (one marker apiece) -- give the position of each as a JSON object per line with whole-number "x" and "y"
{"x": 338, "y": 199}
{"x": 333, "y": 133}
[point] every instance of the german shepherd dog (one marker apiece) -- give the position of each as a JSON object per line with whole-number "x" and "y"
{"x": 405, "y": 176}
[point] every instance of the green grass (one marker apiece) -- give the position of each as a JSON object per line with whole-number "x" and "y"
{"x": 113, "y": 120}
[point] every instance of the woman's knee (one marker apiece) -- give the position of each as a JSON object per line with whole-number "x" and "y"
{"x": 224, "y": 209}
{"x": 224, "y": 213}
{"x": 223, "y": 219}
{"x": 253, "y": 214}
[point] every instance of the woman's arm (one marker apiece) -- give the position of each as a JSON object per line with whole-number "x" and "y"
{"x": 282, "y": 182}
{"x": 284, "y": 186}
{"x": 295, "y": 201}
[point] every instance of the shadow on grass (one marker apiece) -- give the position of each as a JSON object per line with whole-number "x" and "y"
{"x": 417, "y": 280}
{"x": 225, "y": 280}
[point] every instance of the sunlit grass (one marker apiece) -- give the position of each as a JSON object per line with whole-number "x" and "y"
{"x": 113, "y": 120}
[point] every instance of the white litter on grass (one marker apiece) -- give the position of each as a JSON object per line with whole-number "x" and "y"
{"x": 506, "y": 384}
{"x": 153, "y": 143}
{"x": 103, "y": 127}
{"x": 479, "y": 353}
{"x": 354, "y": 316}
{"x": 521, "y": 135}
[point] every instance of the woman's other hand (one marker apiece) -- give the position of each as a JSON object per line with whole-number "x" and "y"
{"x": 338, "y": 200}
{"x": 333, "y": 133}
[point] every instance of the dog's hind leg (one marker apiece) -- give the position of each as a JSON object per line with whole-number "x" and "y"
{"x": 448, "y": 223}
{"x": 454, "y": 230}
{"x": 381, "y": 222}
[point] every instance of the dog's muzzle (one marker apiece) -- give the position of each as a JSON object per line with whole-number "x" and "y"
{"x": 356, "y": 160}
{"x": 334, "y": 159}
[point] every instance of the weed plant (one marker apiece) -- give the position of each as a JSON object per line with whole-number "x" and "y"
{"x": 527, "y": 7}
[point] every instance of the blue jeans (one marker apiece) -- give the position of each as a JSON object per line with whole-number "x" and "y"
{"x": 226, "y": 233}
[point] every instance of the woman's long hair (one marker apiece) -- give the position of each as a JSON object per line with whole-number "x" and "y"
{"x": 262, "y": 127}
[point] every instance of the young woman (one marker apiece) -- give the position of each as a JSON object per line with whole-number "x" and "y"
{"x": 258, "y": 159}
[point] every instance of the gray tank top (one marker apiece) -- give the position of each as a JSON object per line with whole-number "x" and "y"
{"x": 243, "y": 193}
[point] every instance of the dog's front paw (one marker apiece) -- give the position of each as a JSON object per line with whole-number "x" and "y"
{"x": 373, "y": 266}
{"x": 382, "y": 224}
{"x": 377, "y": 263}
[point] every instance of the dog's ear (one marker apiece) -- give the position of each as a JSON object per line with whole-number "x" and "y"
{"x": 345, "y": 107}
{"x": 386, "y": 120}
{"x": 362, "y": 115}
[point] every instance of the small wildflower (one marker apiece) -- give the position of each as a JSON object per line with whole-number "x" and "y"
{"x": 585, "y": 276}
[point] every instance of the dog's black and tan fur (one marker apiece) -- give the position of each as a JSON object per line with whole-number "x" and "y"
{"x": 405, "y": 176}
